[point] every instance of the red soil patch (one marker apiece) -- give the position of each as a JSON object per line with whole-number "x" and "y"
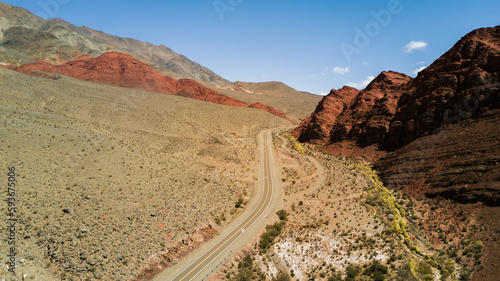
{"x": 122, "y": 70}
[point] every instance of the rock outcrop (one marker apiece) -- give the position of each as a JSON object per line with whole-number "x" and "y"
{"x": 463, "y": 83}
{"x": 368, "y": 118}
{"x": 269, "y": 109}
{"x": 436, "y": 134}
{"x": 123, "y": 70}
{"x": 317, "y": 127}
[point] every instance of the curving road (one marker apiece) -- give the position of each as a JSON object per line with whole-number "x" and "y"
{"x": 199, "y": 265}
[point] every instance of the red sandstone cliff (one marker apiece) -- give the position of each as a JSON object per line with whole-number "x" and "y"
{"x": 436, "y": 134}
{"x": 122, "y": 70}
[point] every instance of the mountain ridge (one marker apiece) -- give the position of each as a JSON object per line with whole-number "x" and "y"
{"x": 59, "y": 41}
{"x": 119, "y": 69}
{"x": 432, "y": 110}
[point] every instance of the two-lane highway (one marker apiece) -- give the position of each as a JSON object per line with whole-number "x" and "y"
{"x": 253, "y": 220}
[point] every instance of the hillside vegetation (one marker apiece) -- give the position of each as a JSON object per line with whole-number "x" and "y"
{"x": 110, "y": 178}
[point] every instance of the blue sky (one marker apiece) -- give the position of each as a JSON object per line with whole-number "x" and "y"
{"x": 311, "y": 45}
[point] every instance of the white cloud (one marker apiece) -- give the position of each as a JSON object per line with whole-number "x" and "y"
{"x": 323, "y": 94}
{"x": 416, "y": 71}
{"x": 415, "y": 45}
{"x": 340, "y": 70}
{"x": 364, "y": 63}
{"x": 362, "y": 84}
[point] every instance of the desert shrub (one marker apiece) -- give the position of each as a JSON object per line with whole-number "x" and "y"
{"x": 335, "y": 277}
{"x": 424, "y": 268}
{"x": 247, "y": 262}
{"x": 239, "y": 202}
{"x": 352, "y": 271}
{"x": 282, "y": 215}
{"x": 376, "y": 270}
{"x": 267, "y": 238}
{"x": 282, "y": 276}
{"x": 244, "y": 275}
{"x": 217, "y": 220}
{"x": 465, "y": 275}
{"x": 475, "y": 248}
{"x": 296, "y": 144}
{"x": 428, "y": 277}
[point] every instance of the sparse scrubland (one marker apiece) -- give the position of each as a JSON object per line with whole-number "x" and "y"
{"x": 112, "y": 180}
{"x": 343, "y": 224}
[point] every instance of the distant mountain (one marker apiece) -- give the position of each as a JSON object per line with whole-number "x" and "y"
{"x": 436, "y": 134}
{"x": 297, "y": 105}
{"x": 119, "y": 69}
{"x": 26, "y": 38}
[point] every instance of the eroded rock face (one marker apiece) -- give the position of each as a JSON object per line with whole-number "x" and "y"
{"x": 269, "y": 109}
{"x": 463, "y": 83}
{"x": 112, "y": 68}
{"x": 122, "y": 70}
{"x": 347, "y": 114}
{"x": 368, "y": 119}
{"x": 435, "y": 132}
{"x": 192, "y": 89}
{"x": 317, "y": 127}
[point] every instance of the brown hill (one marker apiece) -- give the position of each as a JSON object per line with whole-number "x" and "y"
{"x": 440, "y": 129}
{"x": 122, "y": 70}
{"x": 295, "y": 104}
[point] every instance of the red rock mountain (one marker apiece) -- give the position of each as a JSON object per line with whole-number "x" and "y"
{"x": 317, "y": 127}
{"x": 122, "y": 70}
{"x": 436, "y": 134}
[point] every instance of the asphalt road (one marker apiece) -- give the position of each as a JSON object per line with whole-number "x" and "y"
{"x": 210, "y": 259}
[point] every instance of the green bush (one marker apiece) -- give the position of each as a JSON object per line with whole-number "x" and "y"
{"x": 376, "y": 270}
{"x": 335, "y": 277}
{"x": 282, "y": 215}
{"x": 424, "y": 268}
{"x": 475, "y": 248}
{"x": 267, "y": 238}
{"x": 352, "y": 271}
{"x": 246, "y": 263}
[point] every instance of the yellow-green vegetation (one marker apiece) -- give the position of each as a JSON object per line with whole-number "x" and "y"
{"x": 296, "y": 144}
{"x": 272, "y": 231}
{"x": 379, "y": 195}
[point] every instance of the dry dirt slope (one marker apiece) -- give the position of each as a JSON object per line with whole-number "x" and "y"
{"x": 109, "y": 176}
{"x": 297, "y": 105}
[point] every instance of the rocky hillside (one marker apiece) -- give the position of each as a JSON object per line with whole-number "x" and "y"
{"x": 26, "y": 38}
{"x": 440, "y": 129}
{"x": 463, "y": 83}
{"x": 316, "y": 128}
{"x": 269, "y": 109}
{"x": 295, "y": 104}
{"x": 122, "y": 70}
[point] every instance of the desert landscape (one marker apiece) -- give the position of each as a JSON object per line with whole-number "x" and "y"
{"x": 124, "y": 160}
{"x": 111, "y": 176}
